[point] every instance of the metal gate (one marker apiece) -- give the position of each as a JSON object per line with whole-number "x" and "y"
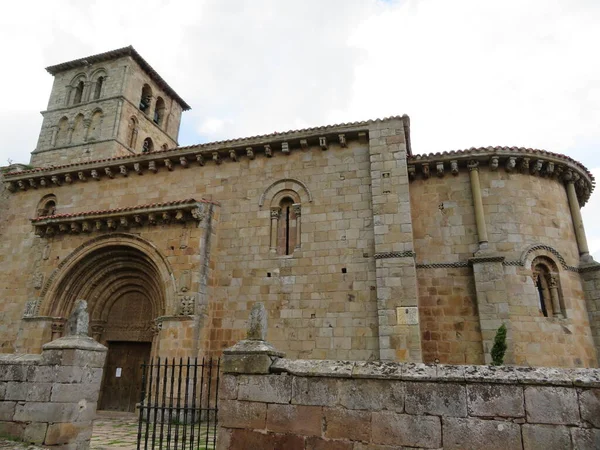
{"x": 179, "y": 404}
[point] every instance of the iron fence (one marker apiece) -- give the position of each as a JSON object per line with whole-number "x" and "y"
{"x": 179, "y": 404}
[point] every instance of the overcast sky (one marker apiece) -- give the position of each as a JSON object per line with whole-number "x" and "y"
{"x": 467, "y": 72}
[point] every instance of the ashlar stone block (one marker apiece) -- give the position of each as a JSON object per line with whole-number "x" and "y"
{"x": 548, "y": 437}
{"x": 495, "y": 400}
{"x": 444, "y": 399}
{"x": 402, "y": 429}
{"x": 554, "y": 405}
{"x": 475, "y": 434}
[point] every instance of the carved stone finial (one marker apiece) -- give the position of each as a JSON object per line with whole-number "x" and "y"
{"x": 79, "y": 320}
{"x": 257, "y": 323}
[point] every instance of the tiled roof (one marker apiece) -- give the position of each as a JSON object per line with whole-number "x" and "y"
{"x": 119, "y": 53}
{"x": 188, "y": 201}
{"x": 226, "y": 142}
{"x": 499, "y": 150}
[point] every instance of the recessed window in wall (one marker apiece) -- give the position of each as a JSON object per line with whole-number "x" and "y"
{"x": 62, "y": 134}
{"x": 132, "y": 132}
{"x": 148, "y": 145}
{"x": 98, "y": 88}
{"x": 159, "y": 111}
{"x": 146, "y": 99}
{"x": 78, "y": 93}
{"x": 545, "y": 277}
{"x": 46, "y": 206}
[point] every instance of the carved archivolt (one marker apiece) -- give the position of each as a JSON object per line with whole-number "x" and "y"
{"x": 289, "y": 184}
{"x": 105, "y": 268}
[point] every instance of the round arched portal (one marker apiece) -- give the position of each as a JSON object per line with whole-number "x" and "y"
{"x": 125, "y": 284}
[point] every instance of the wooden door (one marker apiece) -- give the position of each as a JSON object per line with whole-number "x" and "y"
{"x": 122, "y": 384}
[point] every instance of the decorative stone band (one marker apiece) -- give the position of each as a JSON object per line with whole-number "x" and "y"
{"x": 511, "y": 159}
{"x": 384, "y": 255}
{"x": 123, "y": 218}
{"x": 233, "y": 151}
{"x": 442, "y": 265}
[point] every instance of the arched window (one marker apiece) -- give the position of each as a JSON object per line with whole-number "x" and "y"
{"x": 132, "y": 132}
{"x": 98, "y": 88}
{"x": 46, "y": 206}
{"x": 285, "y": 223}
{"x": 148, "y": 145}
{"x": 146, "y": 99}
{"x": 78, "y": 93}
{"x": 545, "y": 277}
{"x": 159, "y": 111}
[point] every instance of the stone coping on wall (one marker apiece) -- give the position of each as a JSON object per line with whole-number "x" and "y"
{"x": 510, "y": 159}
{"x": 439, "y": 372}
{"x": 232, "y": 150}
{"x": 111, "y": 219}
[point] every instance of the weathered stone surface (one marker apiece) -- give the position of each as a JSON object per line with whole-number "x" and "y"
{"x": 295, "y": 419}
{"x": 444, "y": 399}
{"x": 251, "y": 363}
{"x": 347, "y": 424}
{"x": 13, "y": 372}
{"x": 228, "y": 387}
{"x": 419, "y": 371}
{"x": 475, "y": 434}
{"x": 236, "y": 414}
{"x": 314, "y": 368}
{"x": 73, "y": 393}
{"x": 547, "y": 437}
{"x": 79, "y": 320}
{"x": 257, "y": 323}
{"x": 544, "y": 376}
{"x": 373, "y": 395}
{"x": 11, "y": 429}
{"x": 7, "y": 410}
{"x": 315, "y": 443}
{"x": 267, "y": 388}
{"x": 35, "y": 432}
{"x": 550, "y": 404}
{"x": 402, "y": 429}
{"x": 68, "y": 433}
{"x": 499, "y": 374}
{"x": 495, "y": 400}
{"x": 385, "y": 370}
{"x": 252, "y": 440}
{"x": 315, "y": 391}
{"x": 55, "y": 412}
{"x": 34, "y": 392}
{"x": 589, "y": 400}
{"x": 585, "y": 439}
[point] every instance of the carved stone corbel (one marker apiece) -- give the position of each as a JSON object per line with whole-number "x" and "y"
{"x": 111, "y": 224}
{"x": 454, "y": 167}
{"x": 411, "y": 172}
{"x": 43, "y": 182}
{"x": 323, "y": 142}
{"x": 22, "y": 185}
{"x": 85, "y": 226}
{"x": 68, "y": 178}
{"x": 55, "y": 180}
{"x": 216, "y": 158}
{"x": 536, "y": 168}
{"x": 233, "y": 155}
{"x": 183, "y": 162}
{"x": 108, "y": 172}
{"x": 10, "y": 186}
{"x": 524, "y": 165}
{"x": 494, "y": 160}
{"x": 168, "y": 164}
{"x": 81, "y": 176}
{"x": 285, "y": 148}
{"x": 268, "y": 151}
{"x": 95, "y": 175}
{"x": 152, "y": 166}
{"x": 249, "y": 152}
{"x": 124, "y": 222}
{"x": 303, "y": 144}
{"x": 342, "y": 138}
{"x": 75, "y": 228}
{"x": 138, "y": 168}
{"x": 200, "y": 159}
{"x": 123, "y": 170}
{"x": 425, "y": 170}
{"x": 439, "y": 168}
{"x": 33, "y": 183}
{"x": 511, "y": 164}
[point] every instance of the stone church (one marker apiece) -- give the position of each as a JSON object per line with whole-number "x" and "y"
{"x": 359, "y": 247}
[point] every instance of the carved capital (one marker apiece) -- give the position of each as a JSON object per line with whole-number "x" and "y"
{"x": 275, "y": 212}
{"x": 473, "y": 165}
{"x": 297, "y": 208}
{"x": 552, "y": 281}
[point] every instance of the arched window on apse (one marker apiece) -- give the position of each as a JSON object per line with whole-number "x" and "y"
{"x": 46, "y": 206}
{"x": 132, "y": 132}
{"x": 98, "y": 88}
{"x": 159, "y": 111}
{"x": 148, "y": 145}
{"x": 146, "y": 99}
{"x": 78, "y": 93}
{"x": 285, "y": 223}
{"x": 545, "y": 278}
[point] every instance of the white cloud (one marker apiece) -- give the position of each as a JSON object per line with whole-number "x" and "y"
{"x": 468, "y": 72}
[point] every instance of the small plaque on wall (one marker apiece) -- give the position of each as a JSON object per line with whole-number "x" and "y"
{"x": 407, "y": 315}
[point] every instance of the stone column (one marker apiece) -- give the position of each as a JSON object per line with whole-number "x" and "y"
{"x": 395, "y": 270}
{"x": 584, "y": 252}
{"x": 297, "y": 212}
{"x": 553, "y": 285}
{"x": 478, "y": 205}
{"x": 275, "y": 213}
{"x": 590, "y": 276}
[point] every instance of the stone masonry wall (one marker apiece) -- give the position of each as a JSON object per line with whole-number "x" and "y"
{"x": 50, "y": 399}
{"x": 304, "y": 405}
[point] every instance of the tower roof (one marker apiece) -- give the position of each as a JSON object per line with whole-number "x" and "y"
{"x": 119, "y": 53}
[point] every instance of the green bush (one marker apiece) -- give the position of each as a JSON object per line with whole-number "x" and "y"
{"x": 499, "y": 347}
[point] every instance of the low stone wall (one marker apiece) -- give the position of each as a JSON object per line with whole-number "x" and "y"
{"x": 300, "y": 404}
{"x": 50, "y": 399}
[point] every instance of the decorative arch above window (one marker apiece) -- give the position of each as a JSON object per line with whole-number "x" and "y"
{"x": 547, "y": 284}
{"x": 285, "y": 222}
{"x": 76, "y": 90}
{"x": 46, "y": 206}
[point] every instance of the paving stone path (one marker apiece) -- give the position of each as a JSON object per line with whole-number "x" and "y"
{"x": 6, "y": 444}
{"x": 115, "y": 430}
